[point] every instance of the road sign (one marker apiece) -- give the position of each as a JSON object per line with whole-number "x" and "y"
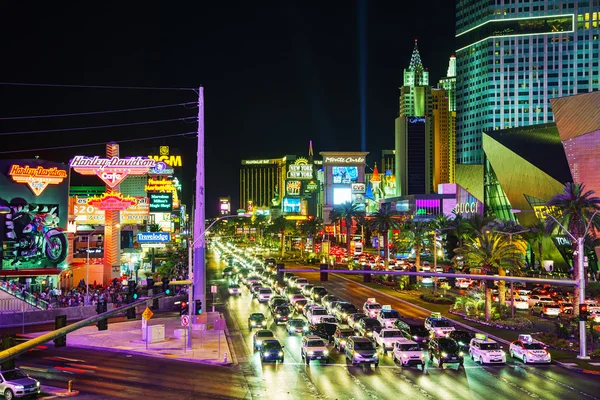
{"x": 213, "y": 289}
{"x": 147, "y": 314}
{"x": 185, "y": 320}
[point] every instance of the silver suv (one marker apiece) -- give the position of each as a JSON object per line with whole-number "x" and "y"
{"x": 360, "y": 350}
{"x": 314, "y": 348}
{"x": 15, "y": 383}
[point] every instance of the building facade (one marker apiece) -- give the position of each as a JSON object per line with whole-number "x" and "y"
{"x": 513, "y": 57}
{"x": 261, "y": 182}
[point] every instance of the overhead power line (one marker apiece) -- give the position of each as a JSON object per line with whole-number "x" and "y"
{"x": 97, "y": 112}
{"x": 97, "y": 144}
{"x": 97, "y": 126}
{"x": 94, "y": 86}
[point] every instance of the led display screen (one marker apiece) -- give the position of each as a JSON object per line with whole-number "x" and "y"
{"x": 342, "y": 195}
{"x": 344, "y": 174}
{"x": 291, "y": 205}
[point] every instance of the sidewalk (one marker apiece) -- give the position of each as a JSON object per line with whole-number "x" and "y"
{"x": 565, "y": 359}
{"x": 208, "y": 347}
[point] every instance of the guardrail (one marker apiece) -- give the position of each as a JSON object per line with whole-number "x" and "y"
{"x": 26, "y": 346}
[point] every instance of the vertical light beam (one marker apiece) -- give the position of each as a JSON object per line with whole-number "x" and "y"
{"x": 362, "y": 71}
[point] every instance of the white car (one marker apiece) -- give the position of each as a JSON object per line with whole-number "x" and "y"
{"x": 386, "y": 338}
{"x": 438, "y": 325}
{"x": 520, "y": 303}
{"x": 371, "y": 308}
{"x": 315, "y": 314}
{"x": 15, "y": 383}
{"x": 313, "y": 348}
{"x": 536, "y": 298}
{"x": 463, "y": 283}
{"x": 407, "y": 352}
{"x": 529, "y": 350}
{"x": 486, "y": 351}
{"x": 234, "y": 289}
{"x": 264, "y": 294}
{"x": 387, "y": 316}
{"x": 301, "y": 282}
{"x": 329, "y": 319}
{"x": 296, "y": 298}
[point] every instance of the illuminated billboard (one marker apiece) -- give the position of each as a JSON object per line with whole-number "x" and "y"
{"x": 112, "y": 170}
{"x": 342, "y": 195}
{"x": 37, "y": 178}
{"x": 161, "y": 202}
{"x": 291, "y": 205}
{"x": 344, "y": 174}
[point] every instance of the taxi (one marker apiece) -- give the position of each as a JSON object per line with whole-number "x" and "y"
{"x": 529, "y": 350}
{"x": 387, "y": 316}
{"x": 371, "y": 307}
{"x": 437, "y": 325}
{"x": 485, "y": 350}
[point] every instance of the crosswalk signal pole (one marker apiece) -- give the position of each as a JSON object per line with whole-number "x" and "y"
{"x": 190, "y": 293}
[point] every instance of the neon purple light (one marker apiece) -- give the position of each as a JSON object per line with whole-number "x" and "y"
{"x": 427, "y": 203}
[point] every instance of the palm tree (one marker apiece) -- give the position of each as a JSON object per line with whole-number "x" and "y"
{"x": 536, "y": 236}
{"x": 573, "y": 209}
{"x": 310, "y": 227}
{"x": 489, "y": 251}
{"x": 460, "y": 229}
{"x": 383, "y": 221}
{"x": 280, "y": 225}
{"x": 347, "y": 211}
{"x": 417, "y": 233}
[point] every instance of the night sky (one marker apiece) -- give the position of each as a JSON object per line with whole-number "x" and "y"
{"x": 274, "y": 77}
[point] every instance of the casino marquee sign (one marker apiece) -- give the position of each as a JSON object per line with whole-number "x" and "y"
{"x": 112, "y": 170}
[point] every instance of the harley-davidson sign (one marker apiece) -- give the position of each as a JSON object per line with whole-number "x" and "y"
{"x": 37, "y": 178}
{"x": 112, "y": 170}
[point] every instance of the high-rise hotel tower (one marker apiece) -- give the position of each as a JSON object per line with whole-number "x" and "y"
{"x": 513, "y": 56}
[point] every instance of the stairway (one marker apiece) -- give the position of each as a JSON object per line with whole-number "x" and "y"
{"x": 15, "y": 301}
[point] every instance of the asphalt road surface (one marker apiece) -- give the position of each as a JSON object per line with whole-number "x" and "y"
{"x": 337, "y": 380}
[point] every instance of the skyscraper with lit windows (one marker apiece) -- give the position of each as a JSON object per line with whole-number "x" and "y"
{"x": 512, "y": 57}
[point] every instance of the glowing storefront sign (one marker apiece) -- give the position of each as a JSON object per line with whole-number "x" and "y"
{"x": 164, "y": 156}
{"x": 161, "y": 202}
{"x": 416, "y": 120}
{"x": 153, "y": 237}
{"x": 113, "y": 170}
{"x": 301, "y": 169}
{"x": 292, "y": 188}
{"x": 343, "y": 160}
{"x": 160, "y": 185}
{"x": 113, "y": 201}
{"x": 358, "y": 187}
{"x": 37, "y": 178}
{"x": 258, "y": 162}
{"x": 466, "y": 208}
{"x": 87, "y": 214}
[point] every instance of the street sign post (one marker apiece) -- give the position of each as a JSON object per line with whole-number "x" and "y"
{"x": 146, "y": 315}
{"x": 213, "y": 290}
{"x": 185, "y": 320}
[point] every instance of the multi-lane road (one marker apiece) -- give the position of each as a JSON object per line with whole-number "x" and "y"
{"x": 337, "y": 380}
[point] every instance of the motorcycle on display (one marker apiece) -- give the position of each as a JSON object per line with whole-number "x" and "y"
{"x": 32, "y": 234}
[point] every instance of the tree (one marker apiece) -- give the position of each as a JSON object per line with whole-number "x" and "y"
{"x": 536, "y": 236}
{"x": 573, "y": 209}
{"x": 383, "y": 221}
{"x": 417, "y": 234}
{"x": 280, "y": 225}
{"x": 347, "y": 211}
{"x": 459, "y": 228}
{"x": 310, "y": 227}
{"x": 489, "y": 251}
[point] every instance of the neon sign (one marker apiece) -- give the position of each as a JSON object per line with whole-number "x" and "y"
{"x": 343, "y": 160}
{"x": 416, "y": 120}
{"x": 113, "y": 201}
{"x": 292, "y": 188}
{"x": 37, "y": 178}
{"x": 160, "y": 185}
{"x": 466, "y": 208}
{"x": 112, "y": 170}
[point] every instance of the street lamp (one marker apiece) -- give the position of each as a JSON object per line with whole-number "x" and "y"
{"x": 582, "y": 333}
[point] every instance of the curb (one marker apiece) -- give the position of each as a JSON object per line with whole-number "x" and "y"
{"x": 59, "y": 392}
{"x": 141, "y": 353}
{"x": 577, "y": 369}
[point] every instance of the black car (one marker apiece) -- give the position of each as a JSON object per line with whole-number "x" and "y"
{"x": 317, "y": 293}
{"x": 256, "y": 320}
{"x": 228, "y": 271}
{"x": 271, "y": 350}
{"x": 343, "y": 309}
{"x": 281, "y": 314}
{"x": 277, "y": 301}
{"x": 463, "y": 338}
{"x": 324, "y": 330}
{"x": 446, "y": 351}
{"x": 367, "y": 326}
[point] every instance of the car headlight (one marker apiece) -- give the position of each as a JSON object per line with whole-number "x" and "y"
{"x": 290, "y": 315}
{"x": 404, "y": 356}
{"x": 278, "y": 315}
{"x": 461, "y": 354}
{"x": 375, "y": 355}
{"x": 342, "y": 341}
{"x": 344, "y": 315}
{"x": 310, "y": 353}
{"x": 306, "y": 328}
{"x": 316, "y": 296}
{"x": 444, "y": 354}
{"x": 369, "y": 333}
{"x": 252, "y": 323}
{"x": 258, "y": 342}
{"x": 461, "y": 344}
{"x": 422, "y": 356}
{"x": 280, "y": 354}
{"x": 37, "y": 384}
{"x": 415, "y": 338}
{"x": 325, "y": 352}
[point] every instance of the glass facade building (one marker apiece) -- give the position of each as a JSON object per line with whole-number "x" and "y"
{"x": 513, "y": 57}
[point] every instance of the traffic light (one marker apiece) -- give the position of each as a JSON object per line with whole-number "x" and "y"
{"x": 102, "y": 307}
{"x": 165, "y": 287}
{"x": 583, "y": 312}
{"x": 60, "y": 321}
{"x": 149, "y": 283}
{"x": 198, "y": 307}
{"x": 131, "y": 289}
{"x": 185, "y": 309}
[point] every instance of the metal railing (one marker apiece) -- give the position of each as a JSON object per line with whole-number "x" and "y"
{"x": 30, "y": 344}
{"x": 24, "y": 296}
{"x": 15, "y": 305}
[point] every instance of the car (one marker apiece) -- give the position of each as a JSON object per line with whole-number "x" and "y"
{"x": 537, "y": 298}
{"x": 343, "y": 309}
{"x": 254, "y": 289}
{"x": 564, "y": 307}
{"x": 521, "y": 302}
{"x": 253, "y": 280}
{"x": 291, "y": 282}
{"x": 287, "y": 276}
{"x": 308, "y": 307}
{"x": 407, "y": 353}
{"x": 445, "y": 351}
{"x": 360, "y": 350}
{"x": 290, "y": 292}
{"x": 463, "y": 338}
{"x": 340, "y": 335}
{"x": 234, "y": 288}
{"x": 546, "y": 310}
{"x": 313, "y": 348}
{"x": 227, "y": 271}
{"x": 264, "y": 294}
{"x": 277, "y": 301}
{"x": 16, "y": 383}
{"x": 367, "y": 326}
{"x": 306, "y": 290}
{"x": 259, "y": 336}
{"x": 353, "y": 319}
{"x": 386, "y": 338}
{"x": 281, "y": 314}
{"x": 296, "y": 297}
{"x": 317, "y": 293}
{"x": 486, "y": 351}
{"x": 331, "y": 306}
{"x": 325, "y": 301}
{"x": 271, "y": 350}
{"x": 437, "y": 325}
{"x": 315, "y": 314}
{"x": 301, "y": 282}
{"x": 529, "y": 350}
{"x": 387, "y": 316}
{"x": 371, "y": 307}
{"x": 256, "y": 320}
{"x": 296, "y": 325}
{"x": 415, "y": 331}
{"x": 299, "y": 305}
{"x": 463, "y": 283}
{"x": 324, "y": 330}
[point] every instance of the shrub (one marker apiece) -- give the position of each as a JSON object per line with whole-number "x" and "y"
{"x": 596, "y": 353}
{"x": 516, "y": 323}
{"x": 430, "y": 298}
